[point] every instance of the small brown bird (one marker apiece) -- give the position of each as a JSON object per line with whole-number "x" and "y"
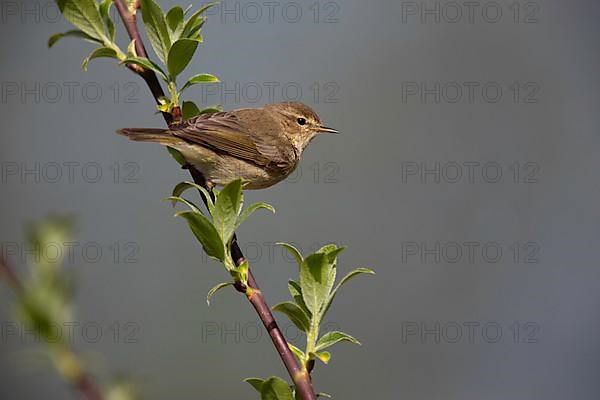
{"x": 260, "y": 145}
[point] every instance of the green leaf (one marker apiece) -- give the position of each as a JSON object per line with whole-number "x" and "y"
{"x": 327, "y": 248}
{"x": 315, "y": 274}
{"x": 206, "y": 234}
{"x": 227, "y": 208}
{"x": 174, "y": 200}
{"x": 165, "y": 105}
{"x": 195, "y": 22}
{"x": 189, "y": 110}
{"x": 104, "y": 9}
{"x": 156, "y": 27}
{"x": 332, "y": 252}
{"x": 131, "y": 51}
{"x": 256, "y": 383}
{"x": 294, "y": 251}
{"x": 275, "y": 388}
{"x": 297, "y": 352}
{"x": 331, "y": 338}
{"x": 324, "y": 356}
{"x": 85, "y": 15}
{"x": 215, "y": 289}
{"x": 294, "y": 288}
{"x": 101, "y": 52}
{"x": 180, "y": 55}
{"x": 211, "y": 109}
{"x": 195, "y": 34}
{"x": 250, "y": 210}
{"x": 56, "y": 231}
{"x": 345, "y": 279}
{"x": 177, "y": 156}
{"x": 72, "y": 33}
{"x": 296, "y": 292}
{"x": 146, "y": 64}
{"x": 183, "y": 186}
{"x": 352, "y": 274}
{"x": 175, "y": 22}
{"x": 198, "y": 79}
{"x": 295, "y": 314}
{"x": 239, "y": 273}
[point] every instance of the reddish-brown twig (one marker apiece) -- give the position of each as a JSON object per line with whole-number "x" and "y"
{"x": 300, "y": 377}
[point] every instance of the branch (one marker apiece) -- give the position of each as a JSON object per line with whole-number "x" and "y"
{"x": 88, "y": 388}
{"x": 130, "y": 21}
{"x": 300, "y": 377}
{"x": 7, "y": 273}
{"x": 81, "y": 381}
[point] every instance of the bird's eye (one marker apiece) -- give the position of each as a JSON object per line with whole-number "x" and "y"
{"x": 301, "y": 121}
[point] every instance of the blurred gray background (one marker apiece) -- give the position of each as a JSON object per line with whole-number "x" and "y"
{"x": 434, "y": 322}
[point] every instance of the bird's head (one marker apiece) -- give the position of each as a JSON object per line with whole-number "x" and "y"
{"x": 300, "y": 122}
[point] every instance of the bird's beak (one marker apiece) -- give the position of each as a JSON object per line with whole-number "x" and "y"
{"x": 326, "y": 129}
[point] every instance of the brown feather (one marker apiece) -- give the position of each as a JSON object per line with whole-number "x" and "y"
{"x": 225, "y": 133}
{"x": 161, "y": 136}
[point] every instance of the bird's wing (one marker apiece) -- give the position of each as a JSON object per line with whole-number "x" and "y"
{"x": 224, "y": 133}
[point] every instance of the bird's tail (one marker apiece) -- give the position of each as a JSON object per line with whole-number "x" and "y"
{"x": 161, "y": 136}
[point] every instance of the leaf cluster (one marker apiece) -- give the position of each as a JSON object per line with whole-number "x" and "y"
{"x": 44, "y": 302}
{"x": 46, "y": 295}
{"x": 216, "y": 231}
{"x": 174, "y": 37}
{"x": 94, "y": 24}
{"x": 275, "y": 388}
{"x": 312, "y": 295}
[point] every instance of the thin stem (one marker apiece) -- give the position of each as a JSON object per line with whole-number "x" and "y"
{"x": 130, "y": 22}
{"x": 311, "y": 341}
{"x": 7, "y": 273}
{"x": 88, "y": 388}
{"x": 300, "y": 377}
